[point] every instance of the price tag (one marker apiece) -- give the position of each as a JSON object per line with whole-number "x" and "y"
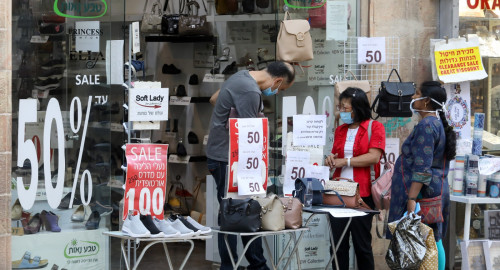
{"x": 248, "y": 156}
{"x": 205, "y": 139}
{"x": 391, "y": 151}
{"x": 371, "y": 50}
{"x": 214, "y": 78}
{"x": 39, "y": 39}
{"x": 136, "y": 41}
{"x": 146, "y": 181}
{"x": 179, "y": 159}
{"x": 182, "y": 101}
{"x": 296, "y": 163}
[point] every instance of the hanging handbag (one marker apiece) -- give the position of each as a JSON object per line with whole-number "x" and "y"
{"x": 248, "y": 6}
{"x": 170, "y": 22}
{"x": 221, "y": 7}
{"x": 431, "y": 209}
{"x": 230, "y": 5}
{"x": 381, "y": 187}
{"x": 300, "y": 190}
{"x": 262, "y": 3}
{"x": 240, "y": 215}
{"x": 151, "y": 22}
{"x": 343, "y": 193}
{"x": 192, "y": 24}
{"x": 294, "y": 43}
{"x": 293, "y": 212}
{"x": 272, "y": 213}
{"x": 394, "y": 98}
{"x": 317, "y": 15}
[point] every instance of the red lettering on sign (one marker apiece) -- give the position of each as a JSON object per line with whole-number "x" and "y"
{"x": 485, "y": 4}
{"x": 472, "y": 6}
{"x": 496, "y": 4}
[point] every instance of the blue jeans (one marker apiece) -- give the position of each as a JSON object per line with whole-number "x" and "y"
{"x": 255, "y": 253}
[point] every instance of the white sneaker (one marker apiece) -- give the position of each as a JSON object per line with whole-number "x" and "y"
{"x": 198, "y": 226}
{"x": 166, "y": 228}
{"x": 177, "y": 225}
{"x": 133, "y": 226}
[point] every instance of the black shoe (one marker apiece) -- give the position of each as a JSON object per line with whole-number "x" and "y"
{"x": 184, "y": 221}
{"x": 65, "y": 201}
{"x": 147, "y": 220}
{"x": 192, "y": 138}
{"x": 180, "y": 91}
{"x": 181, "y": 150}
{"x": 51, "y": 29}
{"x": 193, "y": 80}
{"x": 47, "y": 84}
{"x": 231, "y": 69}
{"x": 170, "y": 69}
{"x": 51, "y": 74}
{"x": 55, "y": 63}
{"x": 93, "y": 221}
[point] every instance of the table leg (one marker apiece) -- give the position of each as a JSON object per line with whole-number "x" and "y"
{"x": 125, "y": 257}
{"x": 294, "y": 250}
{"x": 334, "y": 247}
{"x": 286, "y": 247}
{"x": 187, "y": 255}
{"x": 269, "y": 253}
{"x": 235, "y": 266}
{"x": 168, "y": 256}
{"x": 467, "y": 221}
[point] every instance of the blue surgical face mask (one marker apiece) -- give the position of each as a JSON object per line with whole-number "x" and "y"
{"x": 346, "y": 117}
{"x": 269, "y": 92}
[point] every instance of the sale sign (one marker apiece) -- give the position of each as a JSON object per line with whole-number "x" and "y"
{"x": 146, "y": 179}
{"x": 248, "y": 156}
{"x": 458, "y": 60}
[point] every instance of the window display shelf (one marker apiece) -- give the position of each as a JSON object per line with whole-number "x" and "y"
{"x": 242, "y": 17}
{"x": 179, "y": 39}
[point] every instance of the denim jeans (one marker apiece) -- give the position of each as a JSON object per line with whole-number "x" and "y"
{"x": 255, "y": 253}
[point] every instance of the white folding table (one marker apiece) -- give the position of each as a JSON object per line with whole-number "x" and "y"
{"x": 152, "y": 241}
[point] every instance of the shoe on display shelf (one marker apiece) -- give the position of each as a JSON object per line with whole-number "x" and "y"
{"x": 104, "y": 210}
{"x": 132, "y": 226}
{"x": 65, "y": 200}
{"x": 50, "y": 221}
{"x": 16, "y": 211}
{"x": 170, "y": 69}
{"x": 54, "y": 63}
{"x": 177, "y": 225}
{"x": 198, "y": 226}
{"x": 193, "y": 79}
{"x": 185, "y": 223}
{"x": 166, "y": 228}
{"x": 51, "y": 74}
{"x": 47, "y": 84}
{"x": 147, "y": 220}
{"x": 93, "y": 221}
{"x": 28, "y": 263}
{"x": 81, "y": 213}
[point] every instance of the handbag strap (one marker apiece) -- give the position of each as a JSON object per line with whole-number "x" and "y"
{"x": 343, "y": 178}
{"x": 373, "y": 106}
{"x": 403, "y": 173}
{"x": 388, "y": 78}
{"x": 287, "y": 16}
{"x": 349, "y": 71}
{"x": 145, "y": 6}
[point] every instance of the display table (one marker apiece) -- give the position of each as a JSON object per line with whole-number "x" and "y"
{"x": 256, "y": 235}
{"x": 336, "y": 213}
{"x": 469, "y": 201}
{"x": 152, "y": 241}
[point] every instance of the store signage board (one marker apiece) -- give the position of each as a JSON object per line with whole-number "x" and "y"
{"x": 252, "y": 171}
{"x": 459, "y": 60}
{"x": 309, "y": 130}
{"x": 136, "y": 39}
{"x": 336, "y": 20}
{"x": 87, "y": 35}
{"x": 371, "y": 50}
{"x": 146, "y": 180}
{"x": 148, "y": 104}
{"x": 146, "y": 125}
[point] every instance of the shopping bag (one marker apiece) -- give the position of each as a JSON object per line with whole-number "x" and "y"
{"x": 407, "y": 247}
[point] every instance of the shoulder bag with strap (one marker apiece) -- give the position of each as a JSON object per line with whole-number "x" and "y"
{"x": 170, "y": 20}
{"x": 193, "y": 24}
{"x": 394, "y": 98}
{"x": 294, "y": 42}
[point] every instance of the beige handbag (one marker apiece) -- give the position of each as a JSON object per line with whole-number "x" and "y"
{"x": 293, "y": 212}
{"x": 343, "y": 85}
{"x": 343, "y": 193}
{"x": 294, "y": 43}
{"x": 151, "y": 22}
{"x": 272, "y": 212}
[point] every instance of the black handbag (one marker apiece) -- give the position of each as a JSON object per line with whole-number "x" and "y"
{"x": 238, "y": 215}
{"x": 394, "y": 98}
{"x": 300, "y": 190}
{"x": 170, "y": 22}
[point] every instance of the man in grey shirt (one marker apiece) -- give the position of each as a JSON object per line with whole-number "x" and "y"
{"x": 242, "y": 92}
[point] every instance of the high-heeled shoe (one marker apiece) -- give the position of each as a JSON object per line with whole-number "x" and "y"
{"x": 50, "y": 221}
{"x": 93, "y": 222}
{"x": 16, "y": 211}
{"x": 230, "y": 69}
{"x": 33, "y": 225}
{"x": 216, "y": 68}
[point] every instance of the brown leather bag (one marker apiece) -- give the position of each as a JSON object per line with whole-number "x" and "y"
{"x": 192, "y": 24}
{"x": 293, "y": 212}
{"x": 231, "y": 5}
{"x": 343, "y": 193}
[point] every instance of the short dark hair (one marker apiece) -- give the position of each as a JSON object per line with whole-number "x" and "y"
{"x": 282, "y": 70}
{"x": 359, "y": 102}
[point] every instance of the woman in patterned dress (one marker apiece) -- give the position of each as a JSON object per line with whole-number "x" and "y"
{"x": 430, "y": 146}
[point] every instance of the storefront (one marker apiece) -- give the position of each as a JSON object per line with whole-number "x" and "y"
{"x": 83, "y": 80}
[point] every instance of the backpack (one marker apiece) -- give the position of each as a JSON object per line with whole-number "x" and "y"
{"x": 381, "y": 187}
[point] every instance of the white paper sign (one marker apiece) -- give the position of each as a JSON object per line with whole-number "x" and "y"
{"x": 391, "y": 151}
{"x": 114, "y": 61}
{"x": 136, "y": 41}
{"x": 309, "y": 129}
{"x": 336, "y": 20}
{"x": 489, "y": 166}
{"x": 146, "y": 125}
{"x": 178, "y": 159}
{"x": 250, "y": 161}
{"x": 296, "y": 161}
{"x": 39, "y": 39}
{"x": 148, "y": 104}
{"x": 371, "y": 50}
{"x": 320, "y": 172}
{"x": 315, "y": 151}
{"x": 87, "y": 35}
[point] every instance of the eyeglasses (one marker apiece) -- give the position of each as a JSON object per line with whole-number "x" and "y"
{"x": 343, "y": 109}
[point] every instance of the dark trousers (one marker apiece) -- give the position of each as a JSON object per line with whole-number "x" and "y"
{"x": 360, "y": 230}
{"x": 255, "y": 253}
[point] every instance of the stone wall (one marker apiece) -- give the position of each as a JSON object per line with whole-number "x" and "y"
{"x": 6, "y": 131}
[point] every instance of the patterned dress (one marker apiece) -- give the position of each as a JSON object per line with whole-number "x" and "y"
{"x": 422, "y": 160}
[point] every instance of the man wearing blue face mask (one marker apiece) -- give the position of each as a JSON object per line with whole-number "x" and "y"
{"x": 241, "y": 96}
